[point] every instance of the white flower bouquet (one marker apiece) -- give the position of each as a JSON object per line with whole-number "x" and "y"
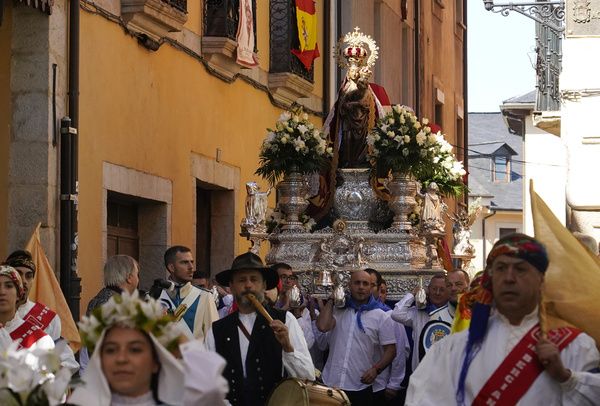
{"x": 32, "y": 377}
{"x": 130, "y": 311}
{"x": 401, "y": 143}
{"x": 295, "y": 145}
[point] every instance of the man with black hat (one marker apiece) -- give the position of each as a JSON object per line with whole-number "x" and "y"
{"x": 504, "y": 358}
{"x": 259, "y": 354}
{"x": 37, "y": 313}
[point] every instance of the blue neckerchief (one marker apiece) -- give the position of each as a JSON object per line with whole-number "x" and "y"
{"x": 370, "y": 305}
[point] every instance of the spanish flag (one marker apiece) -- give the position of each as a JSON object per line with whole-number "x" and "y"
{"x": 572, "y": 280}
{"x": 306, "y": 18}
{"x": 46, "y": 289}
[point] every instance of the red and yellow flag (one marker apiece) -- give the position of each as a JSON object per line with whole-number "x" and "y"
{"x": 572, "y": 280}
{"x": 46, "y": 289}
{"x": 306, "y": 18}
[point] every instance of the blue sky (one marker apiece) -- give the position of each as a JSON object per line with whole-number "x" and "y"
{"x": 501, "y": 53}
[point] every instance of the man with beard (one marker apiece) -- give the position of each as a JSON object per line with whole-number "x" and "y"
{"x": 257, "y": 352}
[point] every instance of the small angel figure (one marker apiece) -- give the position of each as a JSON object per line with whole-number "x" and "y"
{"x": 433, "y": 207}
{"x": 256, "y": 207}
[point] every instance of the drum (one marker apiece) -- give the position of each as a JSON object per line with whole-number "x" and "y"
{"x": 296, "y": 392}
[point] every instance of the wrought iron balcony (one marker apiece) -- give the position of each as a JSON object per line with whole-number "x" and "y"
{"x": 221, "y": 19}
{"x": 548, "y": 66}
{"x": 284, "y": 38}
{"x": 180, "y": 5}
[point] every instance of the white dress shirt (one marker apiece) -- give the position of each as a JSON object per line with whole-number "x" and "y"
{"x": 297, "y": 363}
{"x": 435, "y": 380}
{"x": 353, "y": 351}
{"x": 393, "y": 375}
{"x": 306, "y": 325}
{"x": 404, "y": 312}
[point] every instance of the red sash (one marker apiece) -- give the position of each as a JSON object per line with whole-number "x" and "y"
{"x": 520, "y": 368}
{"x": 40, "y": 315}
{"x": 27, "y": 334}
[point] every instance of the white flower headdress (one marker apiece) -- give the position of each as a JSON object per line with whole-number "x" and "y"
{"x": 129, "y": 310}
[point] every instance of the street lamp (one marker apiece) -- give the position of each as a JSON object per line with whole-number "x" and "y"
{"x": 548, "y": 13}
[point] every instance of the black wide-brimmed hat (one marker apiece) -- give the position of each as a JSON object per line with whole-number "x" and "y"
{"x": 249, "y": 262}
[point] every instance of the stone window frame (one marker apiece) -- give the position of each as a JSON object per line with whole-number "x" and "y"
{"x": 149, "y": 189}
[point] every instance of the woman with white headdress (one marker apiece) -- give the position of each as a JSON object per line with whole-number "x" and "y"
{"x": 133, "y": 343}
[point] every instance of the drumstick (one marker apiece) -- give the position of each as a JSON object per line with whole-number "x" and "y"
{"x": 258, "y": 306}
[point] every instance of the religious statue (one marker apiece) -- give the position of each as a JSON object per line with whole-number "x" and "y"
{"x": 359, "y": 104}
{"x": 256, "y": 208}
{"x": 461, "y": 229}
{"x": 433, "y": 207}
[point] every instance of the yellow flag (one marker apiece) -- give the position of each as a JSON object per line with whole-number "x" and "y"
{"x": 572, "y": 280}
{"x": 46, "y": 289}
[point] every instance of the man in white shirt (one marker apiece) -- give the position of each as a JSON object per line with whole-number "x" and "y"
{"x": 356, "y": 333}
{"x": 388, "y": 384}
{"x": 257, "y": 352}
{"x": 407, "y": 313}
{"x": 504, "y": 359}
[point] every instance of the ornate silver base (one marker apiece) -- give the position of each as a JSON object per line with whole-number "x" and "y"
{"x": 400, "y": 253}
{"x": 397, "y": 255}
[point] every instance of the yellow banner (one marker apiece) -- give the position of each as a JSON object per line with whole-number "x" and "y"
{"x": 46, "y": 289}
{"x": 572, "y": 280}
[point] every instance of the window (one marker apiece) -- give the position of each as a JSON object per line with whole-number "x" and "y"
{"x": 283, "y": 38}
{"x": 503, "y": 232}
{"x": 122, "y": 222}
{"x": 439, "y": 114}
{"x": 460, "y": 138}
{"x": 501, "y": 169}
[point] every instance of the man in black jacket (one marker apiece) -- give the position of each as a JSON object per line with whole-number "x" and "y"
{"x": 258, "y": 353}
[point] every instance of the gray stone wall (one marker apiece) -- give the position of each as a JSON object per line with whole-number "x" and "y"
{"x": 38, "y": 42}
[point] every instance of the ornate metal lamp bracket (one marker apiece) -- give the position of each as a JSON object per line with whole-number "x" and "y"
{"x": 547, "y": 13}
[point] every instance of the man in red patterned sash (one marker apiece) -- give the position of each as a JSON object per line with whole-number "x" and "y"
{"x": 34, "y": 312}
{"x": 502, "y": 359}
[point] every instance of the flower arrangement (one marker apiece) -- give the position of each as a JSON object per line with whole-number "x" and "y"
{"x": 401, "y": 143}
{"x": 130, "y": 311}
{"x": 295, "y": 145}
{"x": 32, "y": 376}
{"x": 275, "y": 220}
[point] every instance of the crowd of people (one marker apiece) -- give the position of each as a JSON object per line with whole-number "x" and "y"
{"x": 193, "y": 340}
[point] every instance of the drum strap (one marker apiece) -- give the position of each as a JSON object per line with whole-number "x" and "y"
{"x": 244, "y": 329}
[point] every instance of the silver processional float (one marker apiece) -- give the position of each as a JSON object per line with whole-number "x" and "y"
{"x": 385, "y": 224}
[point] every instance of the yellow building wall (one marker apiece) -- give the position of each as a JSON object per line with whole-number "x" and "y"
{"x": 149, "y": 111}
{"x": 5, "y": 118}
